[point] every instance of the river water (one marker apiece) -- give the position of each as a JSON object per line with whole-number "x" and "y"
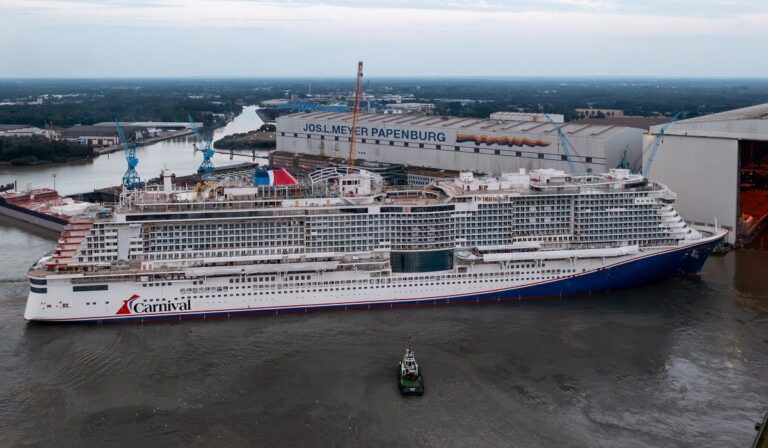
{"x": 677, "y": 364}
{"x": 177, "y": 155}
{"x": 682, "y": 363}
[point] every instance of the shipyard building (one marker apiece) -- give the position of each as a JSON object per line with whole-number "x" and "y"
{"x": 718, "y": 166}
{"x": 468, "y": 144}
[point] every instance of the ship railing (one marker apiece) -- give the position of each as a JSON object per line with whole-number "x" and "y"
{"x": 547, "y": 246}
{"x": 219, "y": 204}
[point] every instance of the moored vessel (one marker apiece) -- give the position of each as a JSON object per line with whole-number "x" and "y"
{"x": 42, "y": 207}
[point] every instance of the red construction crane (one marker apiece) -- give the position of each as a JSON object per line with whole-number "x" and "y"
{"x": 355, "y": 117}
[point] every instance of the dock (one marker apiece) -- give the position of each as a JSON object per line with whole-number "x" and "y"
{"x": 145, "y": 142}
{"x": 46, "y": 209}
{"x": 761, "y": 439}
{"x": 111, "y": 195}
{"x": 42, "y": 207}
{"x": 754, "y": 206}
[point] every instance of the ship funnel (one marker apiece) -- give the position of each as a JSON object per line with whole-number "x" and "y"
{"x": 167, "y": 182}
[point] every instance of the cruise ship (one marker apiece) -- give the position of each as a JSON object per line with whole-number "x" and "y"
{"x": 341, "y": 238}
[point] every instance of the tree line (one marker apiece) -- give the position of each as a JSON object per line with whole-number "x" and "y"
{"x": 37, "y": 149}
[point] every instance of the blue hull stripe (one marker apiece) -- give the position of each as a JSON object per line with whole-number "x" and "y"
{"x": 684, "y": 261}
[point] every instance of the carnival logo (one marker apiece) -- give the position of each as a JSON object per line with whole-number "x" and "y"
{"x": 132, "y": 306}
{"x": 126, "y": 308}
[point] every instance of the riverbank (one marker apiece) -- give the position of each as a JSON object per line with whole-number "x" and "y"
{"x": 251, "y": 140}
{"x": 145, "y": 142}
{"x": 176, "y": 154}
{"x": 44, "y": 163}
{"x": 37, "y": 150}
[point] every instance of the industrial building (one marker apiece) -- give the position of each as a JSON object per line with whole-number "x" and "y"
{"x": 95, "y": 136}
{"x": 454, "y": 143}
{"x": 424, "y": 108}
{"x": 24, "y": 130}
{"x": 718, "y": 166}
{"x": 527, "y": 116}
{"x": 162, "y": 125}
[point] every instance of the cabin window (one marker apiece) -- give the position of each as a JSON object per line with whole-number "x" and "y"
{"x": 83, "y": 288}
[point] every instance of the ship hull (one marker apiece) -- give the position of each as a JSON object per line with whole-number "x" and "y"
{"x": 607, "y": 275}
{"x": 33, "y": 217}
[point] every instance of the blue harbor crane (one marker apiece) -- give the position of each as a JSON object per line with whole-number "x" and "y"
{"x": 131, "y": 178}
{"x": 205, "y": 168}
{"x": 656, "y": 142}
{"x": 624, "y": 162}
{"x": 564, "y": 144}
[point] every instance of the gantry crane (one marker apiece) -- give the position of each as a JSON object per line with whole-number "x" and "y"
{"x": 206, "y": 167}
{"x": 656, "y": 142}
{"x": 355, "y": 117}
{"x": 131, "y": 178}
{"x": 564, "y": 144}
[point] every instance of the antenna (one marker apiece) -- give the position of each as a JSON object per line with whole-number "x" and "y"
{"x": 355, "y": 117}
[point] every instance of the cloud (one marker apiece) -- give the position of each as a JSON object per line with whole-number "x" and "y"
{"x": 593, "y": 17}
{"x": 422, "y": 37}
{"x": 593, "y": 5}
{"x": 649, "y": 7}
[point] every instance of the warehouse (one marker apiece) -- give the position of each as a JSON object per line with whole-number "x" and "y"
{"x": 96, "y": 136}
{"x": 718, "y": 166}
{"x": 454, "y": 143}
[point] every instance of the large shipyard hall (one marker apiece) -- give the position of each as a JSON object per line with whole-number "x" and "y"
{"x": 718, "y": 166}
{"x": 529, "y": 141}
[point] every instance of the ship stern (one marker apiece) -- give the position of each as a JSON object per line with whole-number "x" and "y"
{"x": 32, "y": 311}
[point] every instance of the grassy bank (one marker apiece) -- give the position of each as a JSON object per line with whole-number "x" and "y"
{"x": 263, "y": 138}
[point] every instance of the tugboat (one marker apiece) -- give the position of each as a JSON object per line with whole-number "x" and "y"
{"x": 410, "y": 381}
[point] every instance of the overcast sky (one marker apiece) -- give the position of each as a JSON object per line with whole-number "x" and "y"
{"x": 122, "y": 38}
